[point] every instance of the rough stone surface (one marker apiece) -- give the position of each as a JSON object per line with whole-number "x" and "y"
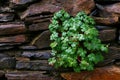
{"x": 14, "y": 39}
{"x": 99, "y": 27}
{"x": 107, "y": 20}
{"x": 6, "y": 17}
{"x": 107, "y": 35}
{"x": 33, "y": 65}
{"x": 39, "y": 26}
{"x": 43, "y": 40}
{"x": 7, "y": 63}
{"x": 103, "y": 73}
{"x": 12, "y": 28}
{"x": 39, "y": 9}
{"x": 37, "y": 54}
{"x": 28, "y": 47}
{"x": 28, "y": 75}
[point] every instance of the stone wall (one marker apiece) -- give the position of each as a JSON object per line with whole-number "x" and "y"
{"x": 24, "y": 35}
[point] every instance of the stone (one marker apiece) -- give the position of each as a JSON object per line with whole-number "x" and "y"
{"x": 107, "y": 35}
{"x": 6, "y": 17}
{"x": 6, "y": 48}
{"x": 7, "y": 63}
{"x": 102, "y": 73}
{"x": 106, "y": 20}
{"x": 6, "y": 9}
{"x": 99, "y": 27}
{"x": 42, "y": 40}
{"x": 37, "y": 54}
{"x": 75, "y": 6}
{"x": 22, "y": 59}
{"x": 33, "y": 65}
{"x": 39, "y": 26}
{"x": 12, "y": 28}
{"x": 28, "y": 75}
{"x": 8, "y": 44}
{"x": 111, "y": 56}
{"x": 2, "y": 73}
{"x": 40, "y": 8}
{"x": 28, "y": 47}
{"x": 18, "y": 4}
{"x": 14, "y": 39}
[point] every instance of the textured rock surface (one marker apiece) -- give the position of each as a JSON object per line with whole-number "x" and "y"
{"x": 6, "y": 17}
{"x": 107, "y": 35}
{"x": 12, "y": 28}
{"x": 15, "y": 39}
{"x": 33, "y": 65}
{"x": 43, "y": 40}
{"x": 103, "y": 73}
{"x": 37, "y": 54}
{"x": 28, "y": 75}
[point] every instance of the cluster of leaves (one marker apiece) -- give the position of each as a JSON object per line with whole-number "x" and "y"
{"x": 75, "y": 42}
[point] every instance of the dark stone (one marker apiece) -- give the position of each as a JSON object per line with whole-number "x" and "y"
{"x": 12, "y": 28}
{"x": 40, "y": 8}
{"x": 7, "y": 63}
{"x": 28, "y": 75}
{"x": 110, "y": 57}
{"x": 107, "y": 35}
{"x": 13, "y": 39}
{"x": 6, "y": 47}
{"x": 39, "y": 26}
{"x": 8, "y": 44}
{"x": 2, "y": 73}
{"x": 33, "y": 65}
{"x": 43, "y": 40}
{"x": 28, "y": 47}
{"x": 99, "y": 27}
{"x": 5, "y": 17}
{"x": 37, "y": 54}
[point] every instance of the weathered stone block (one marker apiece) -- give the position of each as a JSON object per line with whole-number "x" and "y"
{"x": 5, "y": 17}
{"x": 12, "y": 28}
{"x": 107, "y": 20}
{"x": 39, "y": 8}
{"x": 107, "y": 35}
{"x": 13, "y": 39}
{"x": 28, "y": 47}
{"x": 28, "y": 75}
{"x": 39, "y": 26}
{"x": 33, "y": 65}
{"x": 7, "y": 63}
{"x": 103, "y": 73}
{"x": 37, "y": 54}
{"x": 99, "y": 27}
{"x": 42, "y": 40}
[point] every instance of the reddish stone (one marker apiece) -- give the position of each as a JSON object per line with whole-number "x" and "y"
{"x": 15, "y": 39}
{"x": 42, "y": 40}
{"x": 12, "y": 28}
{"x": 103, "y": 73}
{"x": 106, "y": 21}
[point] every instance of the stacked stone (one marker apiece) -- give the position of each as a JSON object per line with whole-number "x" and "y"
{"x": 24, "y": 34}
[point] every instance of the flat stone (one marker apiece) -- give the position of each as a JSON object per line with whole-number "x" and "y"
{"x": 12, "y": 28}
{"x": 17, "y": 4}
{"x": 28, "y": 75}
{"x": 107, "y": 20}
{"x": 6, "y": 47}
{"x": 6, "y": 17}
{"x": 103, "y": 73}
{"x": 28, "y": 47}
{"x": 13, "y": 39}
{"x": 42, "y": 40}
{"x": 6, "y": 9}
{"x": 107, "y": 35}
{"x": 40, "y": 8}
{"x": 37, "y": 54}
{"x": 7, "y": 63}
{"x": 33, "y": 65}
{"x": 39, "y": 26}
{"x": 8, "y": 44}
{"x": 99, "y": 27}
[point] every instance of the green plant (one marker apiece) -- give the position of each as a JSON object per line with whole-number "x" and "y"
{"x": 75, "y": 42}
